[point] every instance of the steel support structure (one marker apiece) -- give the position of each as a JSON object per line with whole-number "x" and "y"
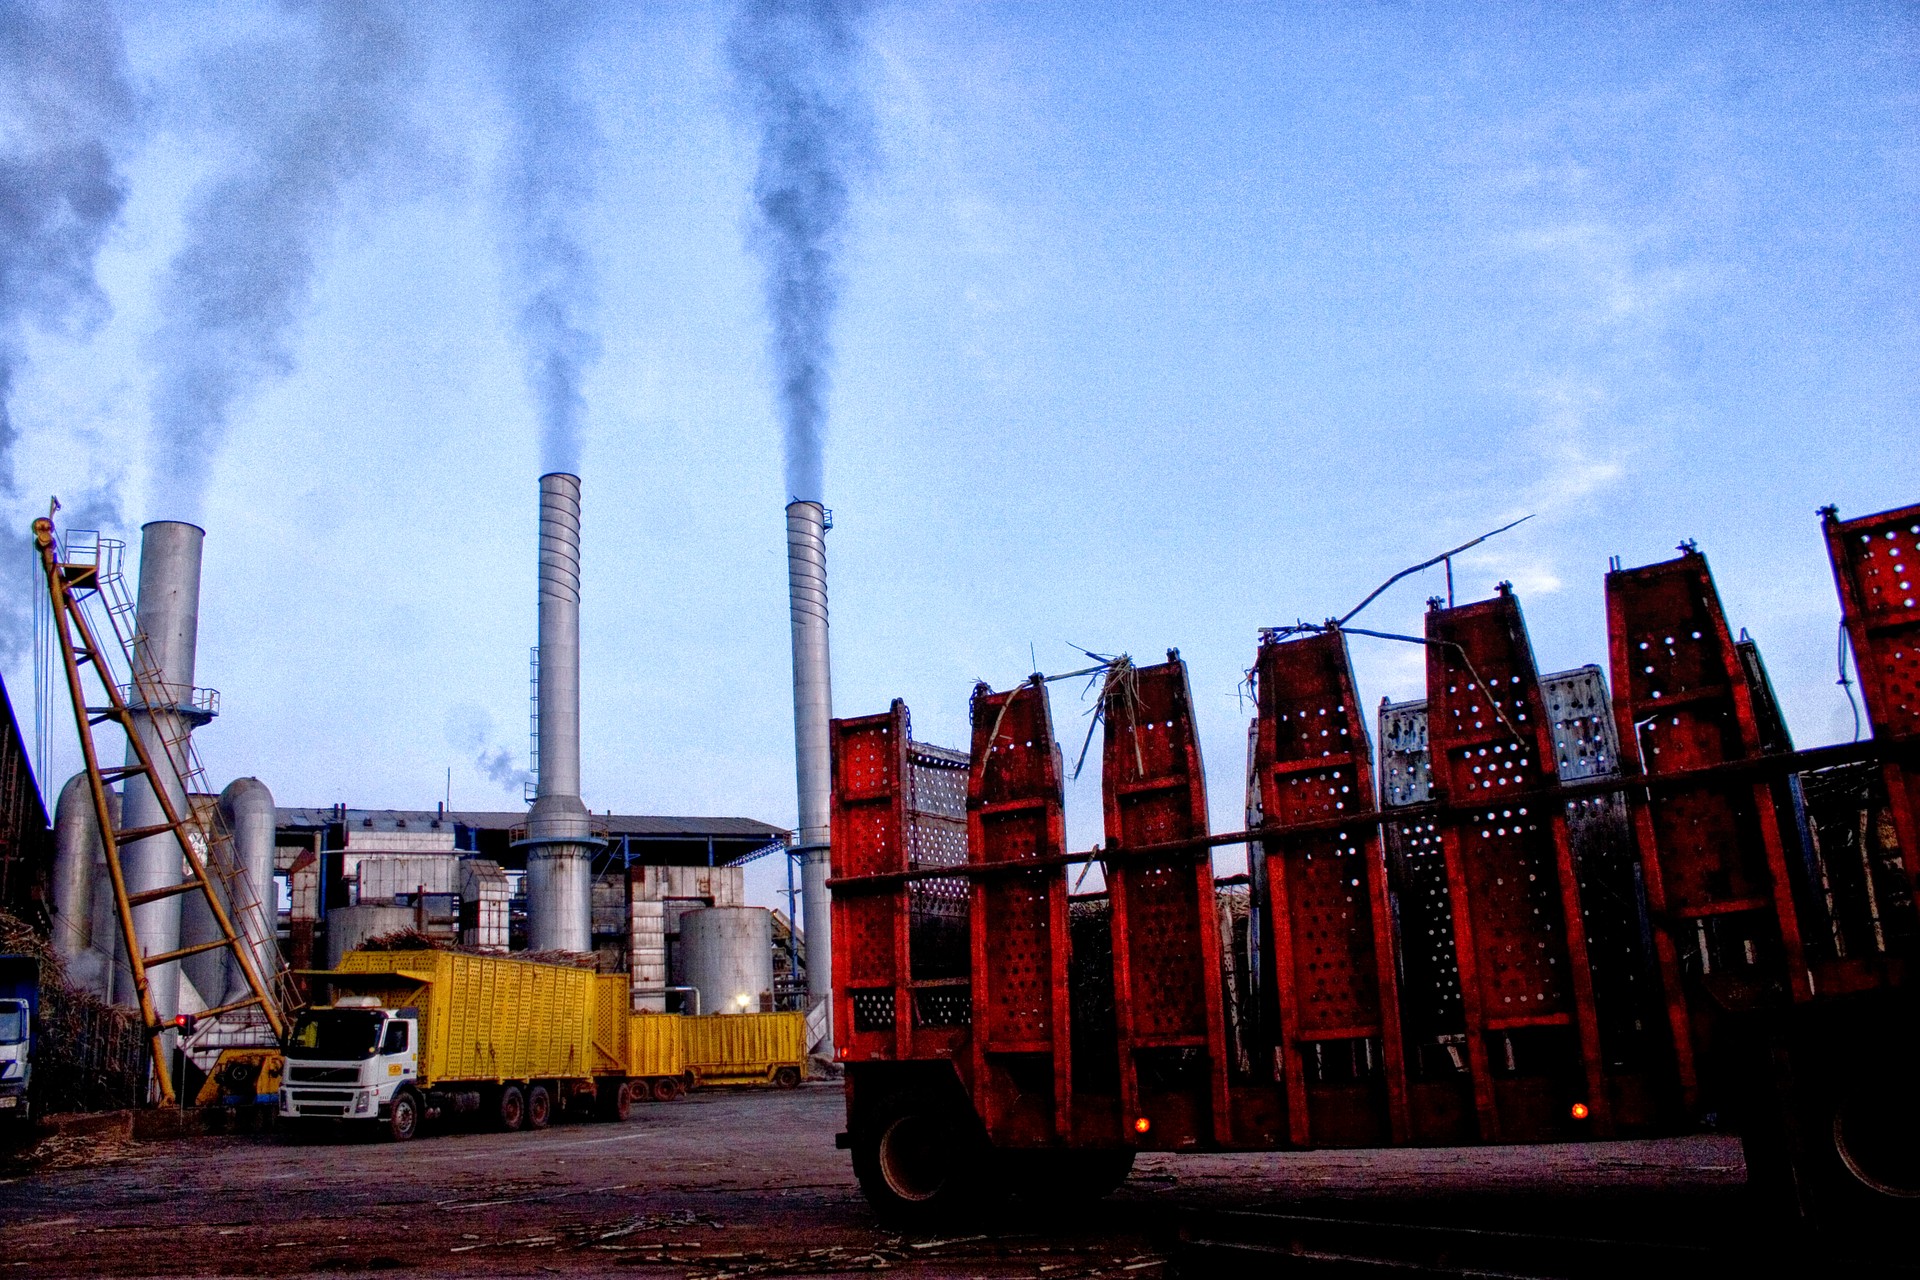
{"x": 1876, "y": 567}
{"x": 1022, "y": 1034}
{"x": 1169, "y": 1014}
{"x": 1335, "y": 991}
{"x": 1715, "y": 866}
{"x": 1533, "y": 1038}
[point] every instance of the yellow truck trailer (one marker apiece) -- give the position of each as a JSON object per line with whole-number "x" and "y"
{"x": 747, "y": 1048}
{"x": 415, "y": 1035}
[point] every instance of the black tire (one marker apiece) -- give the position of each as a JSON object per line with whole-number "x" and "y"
{"x": 615, "y": 1101}
{"x": 919, "y": 1162}
{"x": 787, "y": 1077}
{"x": 403, "y": 1116}
{"x": 510, "y": 1109}
{"x": 667, "y": 1089}
{"x": 539, "y": 1107}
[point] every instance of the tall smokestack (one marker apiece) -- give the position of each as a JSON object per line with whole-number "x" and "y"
{"x": 559, "y": 841}
{"x": 812, "y": 709}
{"x": 169, "y": 627}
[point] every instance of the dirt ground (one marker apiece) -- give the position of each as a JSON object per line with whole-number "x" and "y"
{"x": 724, "y": 1184}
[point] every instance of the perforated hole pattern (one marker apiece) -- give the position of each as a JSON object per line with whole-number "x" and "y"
{"x": 1885, "y": 564}
{"x": 1431, "y": 998}
{"x": 1332, "y": 930}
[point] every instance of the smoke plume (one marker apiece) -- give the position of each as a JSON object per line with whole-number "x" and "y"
{"x": 66, "y": 112}
{"x": 471, "y": 729}
{"x": 546, "y": 178}
{"x": 310, "y": 113}
{"x": 797, "y": 66}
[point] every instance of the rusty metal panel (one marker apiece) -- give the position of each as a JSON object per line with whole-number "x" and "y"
{"x": 1876, "y": 566}
{"x": 1168, "y": 1003}
{"x": 1715, "y": 868}
{"x": 1532, "y": 1034}
{"x": 1335, "y": 993}
{"x": 1022, "y": 1060}
{"x": 870, "y": 923}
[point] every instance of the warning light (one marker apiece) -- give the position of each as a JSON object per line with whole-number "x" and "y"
{"x": 184, "y": 1023}
{"x": 1142, "y": 1125}
{"x": 1580, "y": 1111}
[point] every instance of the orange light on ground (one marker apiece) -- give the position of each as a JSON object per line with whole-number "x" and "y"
{"x": 1142, "y": 1125}
{"x": 1580, "y": 1111}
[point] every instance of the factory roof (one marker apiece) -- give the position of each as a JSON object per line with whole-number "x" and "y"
{"x": 614, "y": 824}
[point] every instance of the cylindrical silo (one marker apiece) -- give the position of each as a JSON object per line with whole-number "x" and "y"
{"x": 76, "y": 844}
{"x": 728, "y": 954}
{"x": 168, "y": 618}
{"x": 247, "y": 808}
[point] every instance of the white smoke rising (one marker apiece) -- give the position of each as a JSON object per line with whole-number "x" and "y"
{"x": 546, "y": 178}
{"x": 471, "y": 729}
{"x": 66, "y": 115}
{"x": 797, "y": 64}
{"x": 312, "y": 112}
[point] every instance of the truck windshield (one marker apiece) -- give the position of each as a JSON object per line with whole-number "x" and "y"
{"x": 335, "y": 1035}
{"x": 13, "y": 1022}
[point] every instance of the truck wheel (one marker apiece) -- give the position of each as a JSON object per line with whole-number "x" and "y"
{"x": 917, "y": 1163}
{"x": 512, "y": 1110}
{"x": 539, "y": 1107}
{"x": 666, "y": 1089}
{"x": 1870, "y": 1144}
{"x": 787, "y": 1077}
{"x": 616, "y": 1101}
{"x": 403, "y": 1116}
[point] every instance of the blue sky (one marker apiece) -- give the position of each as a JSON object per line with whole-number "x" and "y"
{"x": 1161, "y": 323}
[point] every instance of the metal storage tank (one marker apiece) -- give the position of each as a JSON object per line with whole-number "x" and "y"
{"x": 729, "y": 958}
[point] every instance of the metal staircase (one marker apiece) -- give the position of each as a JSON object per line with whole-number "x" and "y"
{"x": 95, "y": 625}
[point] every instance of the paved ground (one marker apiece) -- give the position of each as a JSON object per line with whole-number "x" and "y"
{"x": 748, "y": 1183}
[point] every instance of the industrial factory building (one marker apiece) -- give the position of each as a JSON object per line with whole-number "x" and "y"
{"x": 345, "y": 875}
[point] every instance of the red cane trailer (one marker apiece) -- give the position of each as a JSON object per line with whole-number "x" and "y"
{"x": 1426, "y": 955}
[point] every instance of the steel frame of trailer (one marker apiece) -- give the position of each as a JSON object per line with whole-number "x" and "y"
{"x": 1692, "y": 760}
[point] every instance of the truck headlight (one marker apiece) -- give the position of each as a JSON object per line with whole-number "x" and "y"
{"x": 363, "y": 1103}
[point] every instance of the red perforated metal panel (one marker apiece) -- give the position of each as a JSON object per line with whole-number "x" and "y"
{"x": 1021, "y": 1034}
{"x": 1166, "y": 938}
{"x": 869, "y": 924}
{"x": 1876, "y": 565}
{"x": 1532, "y": 1034}
{"x": 1331, "y": 926}
{"x": 1715, "y": 868}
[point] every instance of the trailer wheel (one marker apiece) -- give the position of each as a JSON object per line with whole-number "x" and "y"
{"x": 917, "y": 1163}
{"x": 403, "y": 1116}
{"x": 1873, "y": 1140}
{"x": 666, "y": 1089}
{"x": 512, "y": 1110}
{"x": 615, "y": 1102}
{"x": 787, "y": 1077}
{"x": 539, "y": 1107}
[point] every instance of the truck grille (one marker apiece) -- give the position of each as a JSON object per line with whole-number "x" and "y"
{"x": 322, "y": 1095}
{"x": 324, "y": 1075}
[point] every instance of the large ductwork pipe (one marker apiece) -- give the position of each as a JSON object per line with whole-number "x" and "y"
{"x": 76, "y": 847}
{"x": 169, "y": 622}
{"x": 812, "y": 749}
{"x": 246, "y": 807}
{"x": 559, "y": 841}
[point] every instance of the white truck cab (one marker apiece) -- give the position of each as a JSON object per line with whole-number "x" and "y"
{"x": 16, "y": 1065}
{"x": 348, "y": 1060}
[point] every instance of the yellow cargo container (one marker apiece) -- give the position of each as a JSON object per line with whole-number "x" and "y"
{"x": 747, "y": 1048}
{"x": 656, "y": 1047}
{"x": 486, "y": 1018}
